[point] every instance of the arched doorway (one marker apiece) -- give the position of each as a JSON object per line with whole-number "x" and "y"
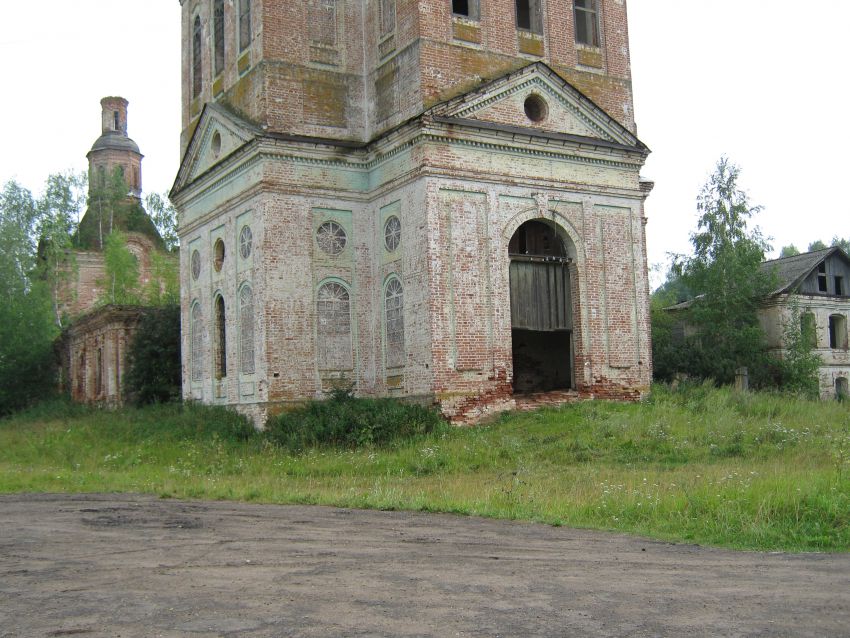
{"x": 541, "y": 308}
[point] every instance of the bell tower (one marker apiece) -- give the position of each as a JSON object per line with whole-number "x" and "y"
{"x": 115, "y": 150}
{"x": 353, "y": 69}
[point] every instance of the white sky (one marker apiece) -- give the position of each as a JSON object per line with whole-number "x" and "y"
{"x": 763, "y": 82}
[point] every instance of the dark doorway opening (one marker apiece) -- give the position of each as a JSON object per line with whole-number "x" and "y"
{"x": 542, "y": 361}
{"x": 541, "y": 310}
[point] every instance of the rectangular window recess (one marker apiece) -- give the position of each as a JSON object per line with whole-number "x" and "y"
{"x": 466, "y": 9}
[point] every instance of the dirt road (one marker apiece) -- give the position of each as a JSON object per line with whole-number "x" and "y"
{"x": 135, "y": 566}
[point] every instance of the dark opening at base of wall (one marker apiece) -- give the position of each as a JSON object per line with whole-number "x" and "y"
{"x": 541, "y": 361}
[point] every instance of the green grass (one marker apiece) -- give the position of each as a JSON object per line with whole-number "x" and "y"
{"x": 755, "y": 471}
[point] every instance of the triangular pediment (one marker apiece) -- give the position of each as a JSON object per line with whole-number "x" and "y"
{"x": 218, "y": 135}
{"x": 537, "y": 98}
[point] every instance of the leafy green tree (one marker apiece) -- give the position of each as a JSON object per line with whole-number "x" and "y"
{"x": 789, "y": 251}
{"x": 843, "y": 244}
{"x": 154, "y": 372}
{"x": 121, "y": 281}
{"x": 26, "y": 327}
{"x": 164, "y": 217}
{"x": 726, "y": 280}
{"x": 163, "y": 287}
{"x": 107, "y": 202}
{"x": 798, "y": 368}
{"x": 817, "y": 245}
{"x": 58, "y": 213}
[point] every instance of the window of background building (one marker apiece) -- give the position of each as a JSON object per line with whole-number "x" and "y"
{"x": 822, "y": 285}
{"x": 587, "y": 22}
{"x": 808, "y": 328}
{"x": 838, "y": 332}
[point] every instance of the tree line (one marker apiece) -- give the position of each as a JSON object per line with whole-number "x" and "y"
{"x": 717, "y": 331}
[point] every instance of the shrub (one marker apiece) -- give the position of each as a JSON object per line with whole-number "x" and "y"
{"x": 343, "y": 421}
{"x": 154, "y": 372}
{"x": 187, "y": 421}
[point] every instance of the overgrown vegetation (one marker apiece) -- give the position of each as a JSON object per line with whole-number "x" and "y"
{"x": 699, "y": 464}
{"x": 38, "y": 236}
{"x": 724, "y": 283}
{"x": 345, "y": 422}
{"x": 154, "y": 369}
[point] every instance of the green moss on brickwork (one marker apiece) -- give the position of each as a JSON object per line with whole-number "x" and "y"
{"x": 325, "y": 100}
{"x": 530, "y": 44}
{"x": 128, "y": 217}
{"x": 467, "y": 32}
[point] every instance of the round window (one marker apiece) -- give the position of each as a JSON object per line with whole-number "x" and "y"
{"x": 331, "y": 238}
{"x": 535, "y": 108}
{"x": 246, "y": 239}
{"x": 196, "y": 265}
{"x": 392, "y": 233}
{"x": 218, "y": 254}
{"x": 216, "y": 144}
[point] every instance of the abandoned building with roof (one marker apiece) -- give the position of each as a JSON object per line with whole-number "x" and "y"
{"x": 810, "y": 296}
{"x": 814, "y": 284}
{"x": 433, "y": 200}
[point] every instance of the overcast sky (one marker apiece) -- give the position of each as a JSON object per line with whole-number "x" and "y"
{"x": 764, "y": 82}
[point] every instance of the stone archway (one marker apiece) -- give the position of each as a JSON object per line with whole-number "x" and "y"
{"x": 541, "y": 308}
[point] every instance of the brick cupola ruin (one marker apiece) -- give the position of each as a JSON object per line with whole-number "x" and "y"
{"x": 438, "y": 201}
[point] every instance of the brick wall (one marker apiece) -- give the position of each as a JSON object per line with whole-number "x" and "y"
{"x": 291, "y": 80}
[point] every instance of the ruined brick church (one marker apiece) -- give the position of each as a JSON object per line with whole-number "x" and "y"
{"x": 432, "y": 199}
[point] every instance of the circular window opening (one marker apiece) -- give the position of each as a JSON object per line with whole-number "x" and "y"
{"x": 331, "y": 238}
{"x": 246, "y": 240}
{"x": 216, "y": 143}
{"x": 218, "y": 254}
{"x": 392, "y": 233}
{"x": 535, "y": 108}
{"x": 196, "y": 265}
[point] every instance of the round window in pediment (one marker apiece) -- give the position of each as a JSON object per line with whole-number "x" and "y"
{"x": 536, "y": 108}
{"x": 216, "y": 144}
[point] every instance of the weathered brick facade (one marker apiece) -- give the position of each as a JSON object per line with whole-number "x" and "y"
{"x": 93, "y": 354}
{"x": 381, "y": 171}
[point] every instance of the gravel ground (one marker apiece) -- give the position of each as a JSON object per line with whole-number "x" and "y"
{"x": 127, "y": 565}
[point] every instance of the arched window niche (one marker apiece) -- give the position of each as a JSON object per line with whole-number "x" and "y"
{"x": 394, "y": 323}
{"x": 220, "y": 338}
{"x": 246, "y": 329}
{"x": 197, "y": 345}
{"x": 333, "y": 329}
{"x": 197, "y": 65}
